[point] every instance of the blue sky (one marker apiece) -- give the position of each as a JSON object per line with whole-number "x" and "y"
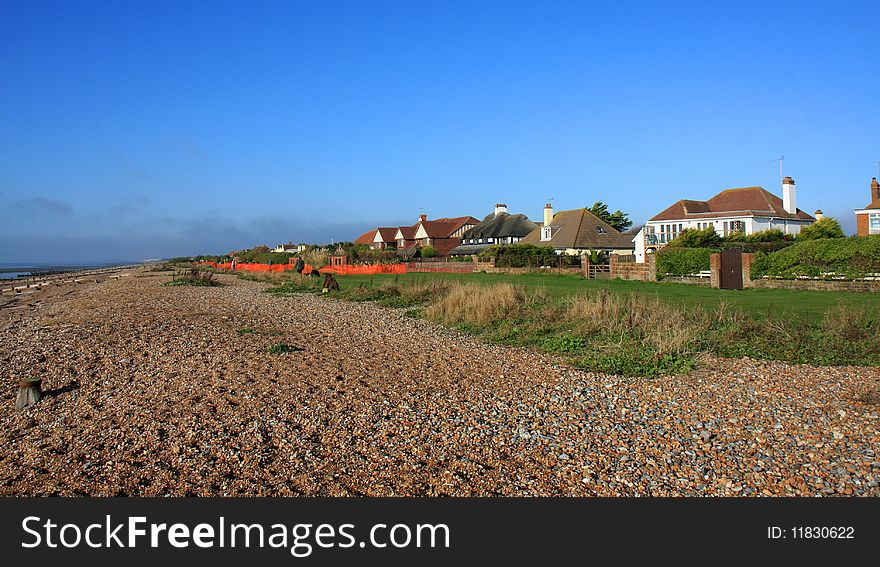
{"x": 132, "y": 130}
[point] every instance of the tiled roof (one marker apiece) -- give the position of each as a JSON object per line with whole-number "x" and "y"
{"x": 408, "y": 232}
{"x": 366, "y": 238}
{"x": 500, "y": 226}
{"x": 444, "y": 227}
{"x": 741, "y": 202}
{"x": 387, "y": 233}
{"x": 580, "y": 229}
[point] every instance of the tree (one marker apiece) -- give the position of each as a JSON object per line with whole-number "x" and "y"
{"x": 618, "y": 219}
{"x": 825, "y": 228}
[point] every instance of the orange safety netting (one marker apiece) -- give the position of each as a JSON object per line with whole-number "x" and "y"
{"x": 260, "y": 267}
{"x": 365, "y": 270}
{"x": 344, "y": 270}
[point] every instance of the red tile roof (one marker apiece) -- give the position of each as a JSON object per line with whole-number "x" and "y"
{"x": 366, "y": 238}
{"x": 408, "y": 232}
{"x": 387, "y": 233}
{"x": 741, "y": 202}
{"x": 444, "y": 227}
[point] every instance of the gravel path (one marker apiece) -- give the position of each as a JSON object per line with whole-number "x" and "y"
{"x": 153, "y": 390}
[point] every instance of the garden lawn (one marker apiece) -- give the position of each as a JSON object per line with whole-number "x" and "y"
{"x": 805, "y": 305}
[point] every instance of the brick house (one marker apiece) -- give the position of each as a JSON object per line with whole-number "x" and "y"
{"x": 442, "y": 234}
{"x": 868, "y": 218}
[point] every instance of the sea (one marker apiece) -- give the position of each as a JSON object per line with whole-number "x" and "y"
{"x": 13, "y": 270}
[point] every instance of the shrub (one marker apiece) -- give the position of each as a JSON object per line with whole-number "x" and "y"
{"x": 194, "y": 277}
{"x": 853, "y": 257}
{"x": 694, "y": 238}
{"x": 428, "y": 252}
{"x": 283, "y": 348}
{"x": 825, "y": 228}
{"x": 520, "y": 255}
{"x": 674, "y": 261}
{"x": 769, "y": 235}
{"x": 255, "y": 257}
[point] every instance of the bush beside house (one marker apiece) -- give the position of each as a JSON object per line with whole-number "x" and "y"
{"x": 681, "y": 262}
{"x": 851, "y": 258}
{"x": 520, "y": 255}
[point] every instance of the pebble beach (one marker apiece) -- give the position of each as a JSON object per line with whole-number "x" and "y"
{"x": 153, "y": 390}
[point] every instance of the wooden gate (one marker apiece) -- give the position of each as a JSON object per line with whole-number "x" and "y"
{"x": 731, "y": 269}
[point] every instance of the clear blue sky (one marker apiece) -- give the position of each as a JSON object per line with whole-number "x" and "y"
{"x": 131, "y": 130}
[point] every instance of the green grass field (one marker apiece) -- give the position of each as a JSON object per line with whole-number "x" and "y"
{"x": 623, "y": 327}
{"x": 808, "y": 305}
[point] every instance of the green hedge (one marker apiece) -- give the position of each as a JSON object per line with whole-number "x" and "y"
{"x": 852, "y": 258}
{"x": 520, "y": 255}
{"x": 682, "y": 261}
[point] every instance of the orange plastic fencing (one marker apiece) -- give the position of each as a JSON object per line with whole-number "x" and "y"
{"x": 261, "y": 267}
{"x": 350, "y": 269}
{"x": 365, "y": 270}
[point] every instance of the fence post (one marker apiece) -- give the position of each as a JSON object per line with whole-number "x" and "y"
{"x": 715, "y": 269}
{"x": 747, "y": 260}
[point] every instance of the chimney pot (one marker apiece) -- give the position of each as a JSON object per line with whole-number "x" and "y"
{"x": 789, "y": 196}
{"x": 500, "y": 208}
{"x": 875, "y": 190}
{"x": 423, "y": 218}
{"x": 548, "y": 214}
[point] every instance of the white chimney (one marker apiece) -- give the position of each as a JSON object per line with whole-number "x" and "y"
{"x": 819, "y": 215}
{"x": 789, "y": 201}
{"x": 500, "y": 208}
{"x": 548, "y": 214}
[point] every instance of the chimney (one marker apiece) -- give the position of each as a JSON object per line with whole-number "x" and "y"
{"x": 423, "y": 218}
{"x": 789, "y": 202}
{"x": 875, "y": 190}
{"x": 548, "y": 214}
{"x": 500, "y": 208}
{"x": 819, "y": 215}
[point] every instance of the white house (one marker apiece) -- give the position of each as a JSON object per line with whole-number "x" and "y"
{"x": 743, "y": 210}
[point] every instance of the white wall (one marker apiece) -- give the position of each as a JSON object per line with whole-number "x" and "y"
{"x": 639, "y": 241}
{"x": 753, "y": 224}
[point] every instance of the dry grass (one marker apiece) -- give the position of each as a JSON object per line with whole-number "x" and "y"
{"x": 850, "y": 324}
{"x": 479, "y": 305}
{"x": 669, "y": 329}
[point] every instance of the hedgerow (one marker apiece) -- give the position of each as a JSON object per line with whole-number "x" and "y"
{"x": 851, "y": 258}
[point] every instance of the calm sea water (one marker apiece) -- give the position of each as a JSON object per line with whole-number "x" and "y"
{"x": 10, "y": 271}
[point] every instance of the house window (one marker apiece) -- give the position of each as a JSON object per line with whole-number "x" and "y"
{"x": 546, "y": 233}
{"x": 600, "y": 230}
{"x": 874, "y": 223}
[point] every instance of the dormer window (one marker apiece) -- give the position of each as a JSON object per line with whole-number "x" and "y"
{"x": 546, "y": 233}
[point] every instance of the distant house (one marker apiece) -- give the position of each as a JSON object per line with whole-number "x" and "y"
{"x": 405, "y": 236}
{"x": 380, "y": 238}
{"x": 499, "y": 227}
{"x": 384, "y": 238}
{"x": 743, "y": 210}
{"x": 577, "y": 232}
{"x": 290, "y": 248}
{"x": 442, "y": 234}
{"x": 868, "y": 218}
